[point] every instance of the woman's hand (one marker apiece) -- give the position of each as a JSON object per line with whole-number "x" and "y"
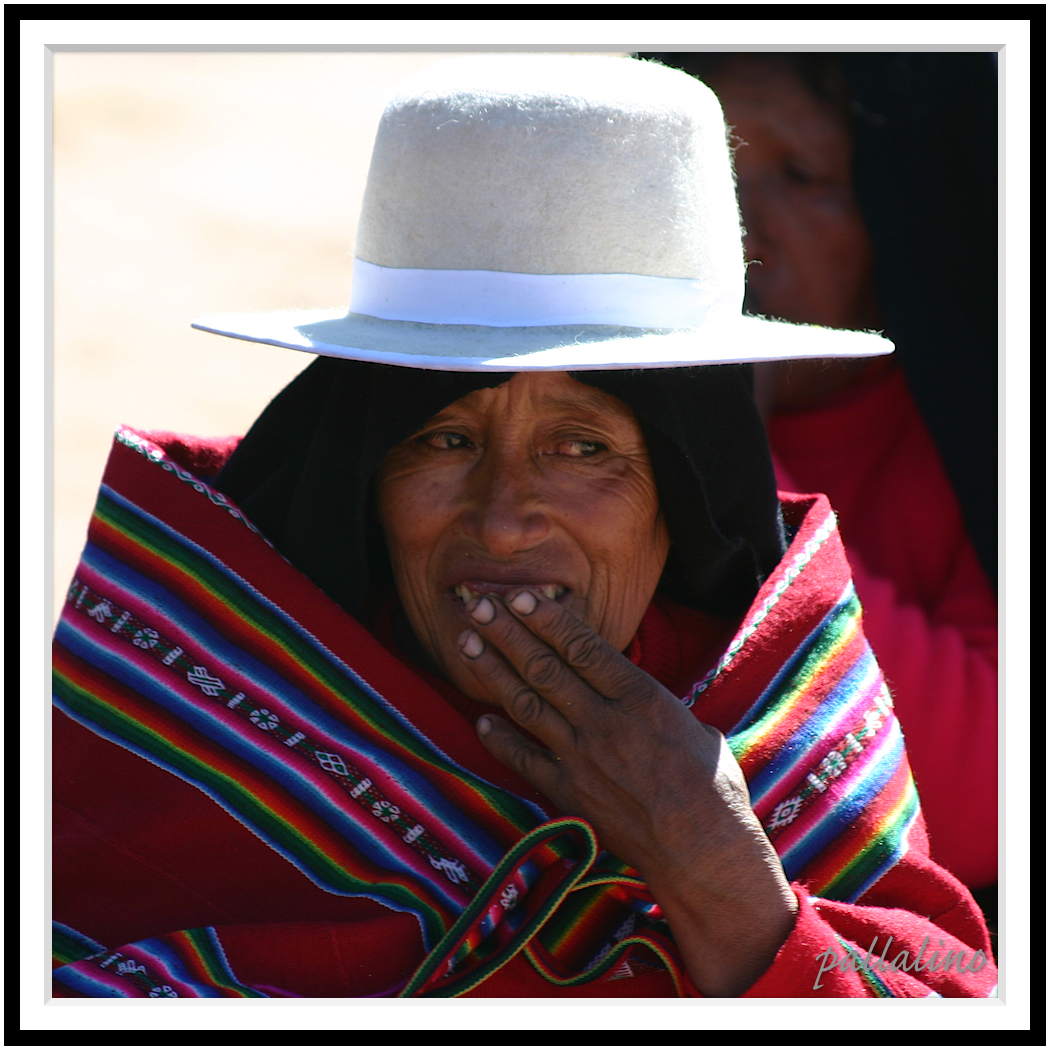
{"x": 661, "y": 789}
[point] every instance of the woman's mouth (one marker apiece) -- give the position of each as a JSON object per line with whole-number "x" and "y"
{"x": 468, "y": 591}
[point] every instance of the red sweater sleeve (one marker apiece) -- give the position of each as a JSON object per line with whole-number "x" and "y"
{"x": 915, "y": 933}
{"x": 929, "y": 612}
{"x": 839, "y": 951}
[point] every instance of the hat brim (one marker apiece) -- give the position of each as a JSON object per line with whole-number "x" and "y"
{"x": 555, "y": 348}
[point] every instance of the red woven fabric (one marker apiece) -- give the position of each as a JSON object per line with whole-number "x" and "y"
{"x": 929, "y": 612}
{"x": 139, "y": 852}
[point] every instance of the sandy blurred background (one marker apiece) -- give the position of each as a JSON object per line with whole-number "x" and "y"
{"x": 186, "y": 184}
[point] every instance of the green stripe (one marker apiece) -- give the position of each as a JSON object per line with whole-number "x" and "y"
{"x": 218, "y": 970}
{"x": 874, "y": 855}
{"x": 67, "y": 948}
{"x": 872, "y": 979}
{"x": 437, "y": 959}
{"x": 272, "y": 627}
{"x": 798, "y": 682}
{"x": 241, "y": 801}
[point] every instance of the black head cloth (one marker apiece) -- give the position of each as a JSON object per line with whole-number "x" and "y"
{"x": 304, "y": 471}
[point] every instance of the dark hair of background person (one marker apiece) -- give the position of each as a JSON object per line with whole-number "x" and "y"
{"x": 925, "y": 176}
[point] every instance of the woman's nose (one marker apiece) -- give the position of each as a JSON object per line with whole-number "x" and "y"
{"x": 505, "y": 512}
{"x": 758, "y": 212}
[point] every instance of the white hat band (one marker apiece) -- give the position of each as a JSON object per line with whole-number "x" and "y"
{"x": 523, "y": 300}
{"x": 548, "y": 212}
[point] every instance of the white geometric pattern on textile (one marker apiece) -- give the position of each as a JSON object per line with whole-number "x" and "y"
{"x": 785, "y": 812}
{"x": 331, "y": 762}
{"x": 207, "y": 683}
{"x": 453, "y": 869}
{"x": 264, "y": 719}
{"x": 833, "y": 764}
{"x": 872, "y": 722}
{"x": 385, "y": 811}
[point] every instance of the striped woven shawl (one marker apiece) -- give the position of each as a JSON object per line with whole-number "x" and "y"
{"x": 188, "y": 640}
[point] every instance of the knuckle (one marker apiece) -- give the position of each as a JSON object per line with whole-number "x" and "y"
{"x": 630, "y": 692}
{"x": 542, "y": 669}
{"x": 583, "y": 649}
{"x": 534, "y": 766}
{"x": 628, "y": 701}
{"x": 526, "y": 707}
{"x": 523, "y": 760}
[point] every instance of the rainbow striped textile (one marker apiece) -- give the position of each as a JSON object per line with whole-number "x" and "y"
{"x": 188, "y": 640}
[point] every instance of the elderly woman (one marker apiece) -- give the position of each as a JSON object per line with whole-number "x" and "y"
{"x": 489, "y": 663}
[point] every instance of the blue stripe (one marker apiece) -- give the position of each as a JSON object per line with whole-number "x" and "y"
{"x": 847, "y": 808}
{"x": 159, "y": 956}
{"x": 296, "y": 629}
{"x": 771, "y": 694}
{"x": 353, "y": 823}
{"x": 802, "y": 747}
{"x": 92, "y": 947}
{"x": 84, "y": 983}
{"x": 214, "y": 647}
{"x": 224, "y": 963}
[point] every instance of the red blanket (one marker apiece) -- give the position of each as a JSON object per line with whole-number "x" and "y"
{"x": 255, "y": 798}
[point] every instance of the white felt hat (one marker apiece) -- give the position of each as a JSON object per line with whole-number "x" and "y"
{"x": 548, "y": 212}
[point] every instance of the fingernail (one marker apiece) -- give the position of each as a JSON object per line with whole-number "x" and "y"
{"x": 471, "y": 645}
{"x": 484, "y": 725}
{"x": 524, "y": 602}
{"x": 483, "y": 612}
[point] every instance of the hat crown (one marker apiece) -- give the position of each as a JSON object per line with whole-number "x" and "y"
{"x": 548, "y": 212}
{"x": 554, "y": 164}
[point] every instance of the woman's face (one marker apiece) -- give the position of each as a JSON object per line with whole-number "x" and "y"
{"x": 542, "y": 482}
{"x": 809, "y": 253}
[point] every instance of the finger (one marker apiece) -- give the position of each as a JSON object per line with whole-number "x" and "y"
{"x": 536, "y": 663}
{"x": 538, "y": 766}
{"x": 589, "y": 655}
{"x": 517, "y": 698}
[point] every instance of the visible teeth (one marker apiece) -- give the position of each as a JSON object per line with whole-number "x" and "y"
{"x": 468, "y": 594}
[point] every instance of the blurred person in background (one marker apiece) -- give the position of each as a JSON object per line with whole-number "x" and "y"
{"x": 868, "y": 193}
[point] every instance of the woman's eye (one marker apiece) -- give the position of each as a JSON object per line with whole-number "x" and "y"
{"x": 806, "y": 176}
{"x": 447, "y": 441}
{"x": 799, "y": 176}
{"x": 579, "y": 449}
